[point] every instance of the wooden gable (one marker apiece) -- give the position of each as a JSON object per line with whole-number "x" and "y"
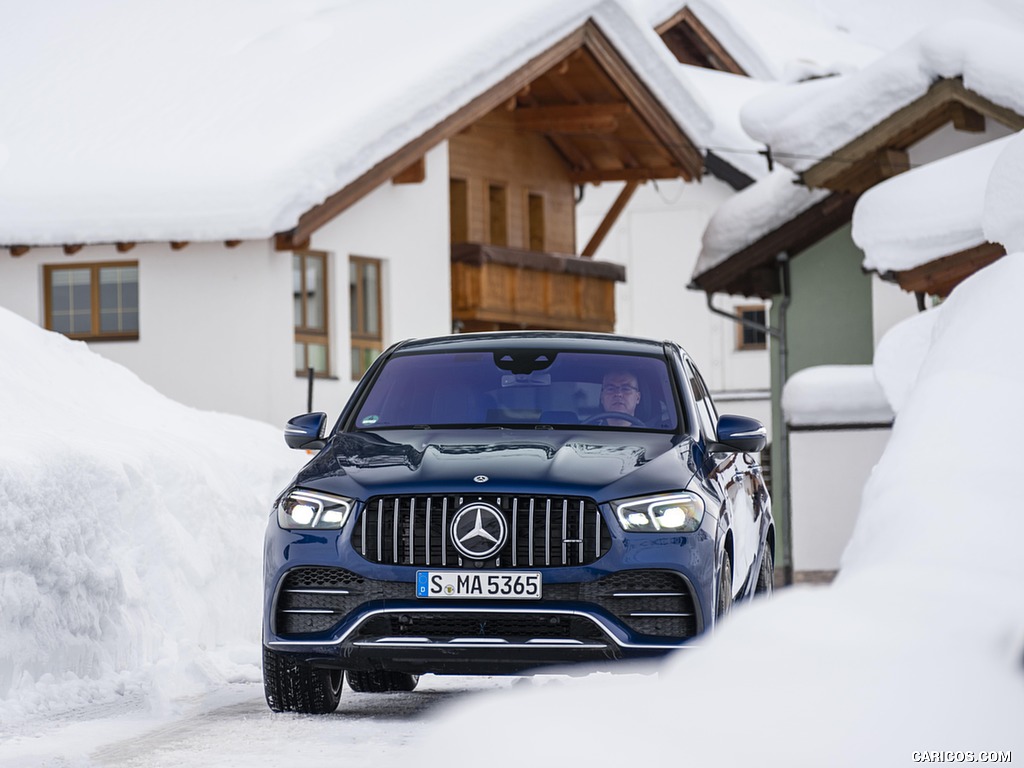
{"x": 582, "y": 96}
{"x": 692, "y": 43}
{"x": 881, "y": 151}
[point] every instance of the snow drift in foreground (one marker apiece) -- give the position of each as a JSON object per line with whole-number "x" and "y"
{"x": 130, "y": 531}
{"x": 917, "y": 645}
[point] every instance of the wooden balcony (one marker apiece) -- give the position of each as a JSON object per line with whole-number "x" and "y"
{"x": 495, "y": 288}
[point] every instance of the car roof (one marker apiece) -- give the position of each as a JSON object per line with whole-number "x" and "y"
{"x": 560, "y": 340}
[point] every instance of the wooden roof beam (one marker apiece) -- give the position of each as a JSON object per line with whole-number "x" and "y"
{"x": 967, "y": 120}
{"x": 610, "y": 218}
{"x": 596, "y": 176}
{"x": 412, "y": 174}
{"x": 939, "y": 277}
{"x": 572, "y": 118}
{"x": 18, "y": 250}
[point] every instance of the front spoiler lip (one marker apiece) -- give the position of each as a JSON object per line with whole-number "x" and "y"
{"x": 483, "y": 642}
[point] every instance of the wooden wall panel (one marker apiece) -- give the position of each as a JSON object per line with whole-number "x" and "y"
{"x": 493, "y": 151}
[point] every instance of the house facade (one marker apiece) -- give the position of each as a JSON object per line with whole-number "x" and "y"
{"x": 458, "y": 213}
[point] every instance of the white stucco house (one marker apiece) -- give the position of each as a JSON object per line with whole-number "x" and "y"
{"x": 221, "y": 206}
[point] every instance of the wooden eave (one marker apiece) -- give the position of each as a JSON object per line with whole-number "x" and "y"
{"x": 692, "y": 43}
{"x": 582, "y": 96}
{"x": 942, "y": 275}
{"x": 754, "y": 272}
{"x": 875, "y": 154}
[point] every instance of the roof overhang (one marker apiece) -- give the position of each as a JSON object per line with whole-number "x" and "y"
{"x": 940, "y": 276}
{"x": 754, "y": 271}
{"x": 881, "y": 152}
{"x": 614, "y": 130}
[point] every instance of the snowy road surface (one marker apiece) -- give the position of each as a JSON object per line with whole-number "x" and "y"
{"x": 233, "y": 727}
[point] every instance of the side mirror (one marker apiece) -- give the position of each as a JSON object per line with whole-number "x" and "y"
{"x": 306, "y": 431}
{"x": 741, "y": 434}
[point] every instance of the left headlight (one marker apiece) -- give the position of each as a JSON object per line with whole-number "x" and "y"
{"x": 300, "y": 509}
{"x": 679, "y": 513}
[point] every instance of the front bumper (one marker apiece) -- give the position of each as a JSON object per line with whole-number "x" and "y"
{"x": 334, "y": 617}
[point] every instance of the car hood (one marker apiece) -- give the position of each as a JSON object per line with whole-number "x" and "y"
{"x": 599, "y": 464}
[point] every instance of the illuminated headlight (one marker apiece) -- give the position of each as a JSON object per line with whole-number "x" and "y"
{"x": 309, "y": 509}
{"x": 679, "y": 513}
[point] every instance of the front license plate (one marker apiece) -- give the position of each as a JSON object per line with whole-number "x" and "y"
{"x": 496, "y": 585}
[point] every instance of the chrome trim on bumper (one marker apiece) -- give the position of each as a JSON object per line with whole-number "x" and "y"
{"x": 395, "y": 642}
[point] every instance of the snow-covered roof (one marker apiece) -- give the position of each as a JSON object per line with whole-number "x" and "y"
{"x": 926, "y": 213}
{"x": 806, "y": 122}
{"x": 835, "y": 395}
{"x": 1003, "y": 216}
{"x": 782, "y": 40}
{"x": 725, "y": 93}
{"x": 187, "y": 120}
{"x": 752, "y": 213}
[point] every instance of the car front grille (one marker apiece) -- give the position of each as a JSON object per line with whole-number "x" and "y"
{"x": 544, "y": 531}
{"x": 653, "y": 603}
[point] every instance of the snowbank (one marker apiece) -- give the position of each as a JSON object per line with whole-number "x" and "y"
{"x": 1004, "y": 198}
{"x": 917, "y": 645}
{"x": 130, "y": 531}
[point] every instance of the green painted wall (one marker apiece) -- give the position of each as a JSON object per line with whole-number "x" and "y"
{"x": 828, "y": 322}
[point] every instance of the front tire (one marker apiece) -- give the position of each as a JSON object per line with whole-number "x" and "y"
{"x": 379, "y": 681}
{"x": 291, "y": 685}
{"x": 724, "y": 602}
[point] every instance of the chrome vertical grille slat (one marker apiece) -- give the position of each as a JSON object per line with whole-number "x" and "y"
{"x": 412, "y": 531}
{"x": 428, "y": 531}
{"x": 547, "y": 533}
{"x": 380, "y": 530}
{"x": 583, "y": 533}
{"x": 409, "y": 531}
{"x": 515, "y": 531}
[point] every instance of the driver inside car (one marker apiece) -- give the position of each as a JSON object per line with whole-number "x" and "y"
{"x": 620, "y": 394}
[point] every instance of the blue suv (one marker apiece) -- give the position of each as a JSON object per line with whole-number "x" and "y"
{"x": 495, "y": 503}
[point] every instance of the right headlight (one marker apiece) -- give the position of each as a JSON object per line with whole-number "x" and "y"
{"x": 677, "y": 512}
{"x": 300, "y": 509}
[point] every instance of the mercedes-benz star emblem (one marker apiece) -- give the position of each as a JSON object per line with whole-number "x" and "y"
{"x": 479, "y": 531}
{"x": 481, "y": 479}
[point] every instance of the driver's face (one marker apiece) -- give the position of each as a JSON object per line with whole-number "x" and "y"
{"x": 619, "y": 393}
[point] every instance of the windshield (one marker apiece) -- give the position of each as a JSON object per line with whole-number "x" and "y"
{"x": 521, "y": 388}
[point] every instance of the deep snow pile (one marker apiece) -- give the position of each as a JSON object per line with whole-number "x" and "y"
{"x": 918, "y": 644}
{"x": 130, "y": 531}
